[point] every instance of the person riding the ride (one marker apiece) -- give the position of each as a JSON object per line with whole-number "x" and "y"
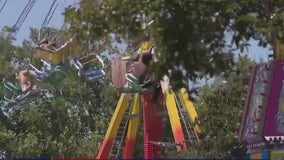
{"x": 49, "y": 44}
{"x": 142, "y": 60}
{"x": 140, "y": 68}
{"x": 26, "y": 81}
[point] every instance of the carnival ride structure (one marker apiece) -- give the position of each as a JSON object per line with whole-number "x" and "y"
{"x": 133, "y": 108}
{"x": 54, "y": 68}
{"x": 137, "y": 106}
{"x": 50, "y": 75}
{"x": 262, "y": 118}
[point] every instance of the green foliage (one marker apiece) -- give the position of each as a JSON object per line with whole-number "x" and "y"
{"x": 218, "y": 109}
{"x": 73, "y": 124}
{"x": 5, "y": 57}
{"x": 188, "y": 33}
{"x": 218, "y": 121}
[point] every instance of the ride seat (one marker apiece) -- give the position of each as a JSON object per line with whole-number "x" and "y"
{"x": 93, "y": 75}
{"x": 54, "y": 56}
{"x": 11, "y": 91}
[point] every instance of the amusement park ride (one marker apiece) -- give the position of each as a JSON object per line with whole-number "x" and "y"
{"x": 134, "y": 108}
{"x": 262, "y": 119}
{"x": 120, "y": 139}
{"x": 51, "y": 72}
{"x": 135, "y": 105}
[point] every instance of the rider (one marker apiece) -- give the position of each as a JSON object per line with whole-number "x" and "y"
{"x": 143, "y": 59}
{"x": 139, "y": 68}
{"x": 26, "y": 78}
{"x": 49, "y": 44}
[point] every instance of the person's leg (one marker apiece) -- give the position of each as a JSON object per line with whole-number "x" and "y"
{"x": 25, "y": 79}
{"x": 22, "y": 80}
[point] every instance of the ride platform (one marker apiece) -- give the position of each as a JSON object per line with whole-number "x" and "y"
{"x": 136, "y": 109}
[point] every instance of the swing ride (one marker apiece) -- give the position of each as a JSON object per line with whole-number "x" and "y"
{"x": 136, "y": 105}
{"x": 48, "y": 74}
{"x": 261, "y": 122}
{"x": 61, "y": 55}
{"x": 14, "y": 96}
{"x": 50, "y": 50}
{"x": 89, "y": 73}
{"x": 52, "y": 57}
{"x": 53, "y": 74}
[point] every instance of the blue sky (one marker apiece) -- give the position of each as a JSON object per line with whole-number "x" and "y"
{"x": 13, "y": 9}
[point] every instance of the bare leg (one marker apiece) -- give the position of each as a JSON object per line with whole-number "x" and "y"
{"x": 25, "y": 80}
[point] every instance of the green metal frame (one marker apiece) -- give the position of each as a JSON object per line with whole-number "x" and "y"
{"x": 12, "y": 92}
{"x": 134, "y": 85}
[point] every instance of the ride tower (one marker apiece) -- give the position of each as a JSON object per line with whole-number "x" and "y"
{"x": 137, "y": 109}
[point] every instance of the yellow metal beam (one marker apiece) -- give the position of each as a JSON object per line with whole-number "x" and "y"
{"x": 175, "y": 121}
{"x": 118, "y": 115}
{"x": 115, "y": 122}
{"x": 188, "y": 105}
{"x": 133, "y": 127}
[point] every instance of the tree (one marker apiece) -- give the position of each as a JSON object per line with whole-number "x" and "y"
{"x": 188, "y": 33}
{"x": 218, "y": 108}
{"x": 73, "y": 124}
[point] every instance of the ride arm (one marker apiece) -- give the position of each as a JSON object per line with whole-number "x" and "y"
{"x": 45, "y": 64}
{"x": 35, "y": 69}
